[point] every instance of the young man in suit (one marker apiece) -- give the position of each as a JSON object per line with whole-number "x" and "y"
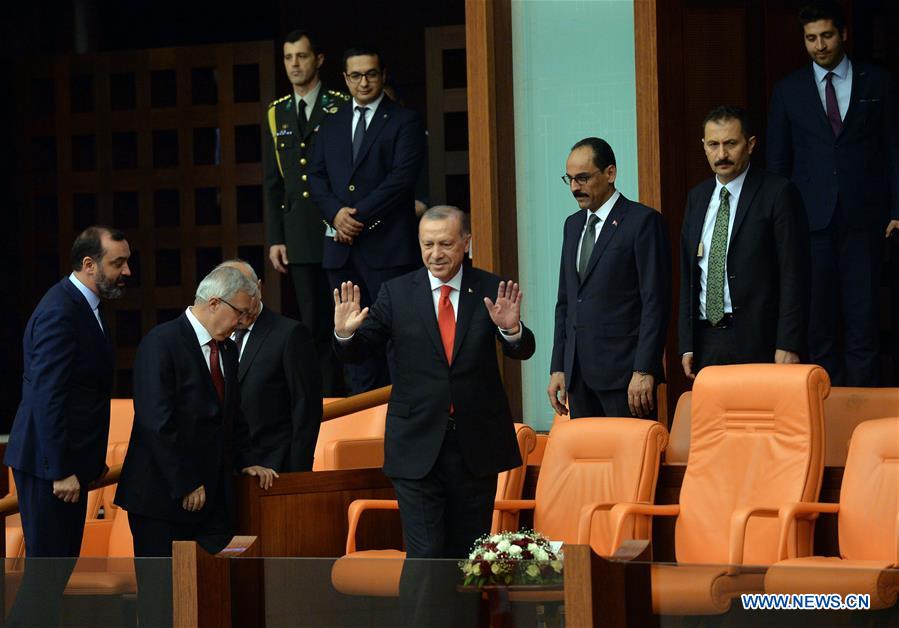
{"x": 449, "y": 429}
{"x": 295, "y": 228}
{"x": 57, "y": 445}
{"x": 613, "y": 303}
{"x": 744, "y": 283}
{"x": 280, "y": 389}
{"x": 176, "y": 481}
{"x": 833, "y": 130}
{"x": 364, "y": 169}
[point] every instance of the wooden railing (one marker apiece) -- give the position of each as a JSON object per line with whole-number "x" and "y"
{"x": 9, "y": 505}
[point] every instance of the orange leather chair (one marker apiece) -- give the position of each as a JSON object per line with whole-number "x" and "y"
{"x": 679, "y": 444}
{"x": 590, "y": 465}
{"x": 757, "y": 443}
{"x": 868, "y": 519}
{"x": 377, "y": 572}
{"x": 354, "y": 441}
{"x": 845, "y": 408}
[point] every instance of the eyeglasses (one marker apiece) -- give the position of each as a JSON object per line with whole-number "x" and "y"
{"x": 243, "y": 313}
{"x": 580, "y": 178}
{"x": 371, "y": 75}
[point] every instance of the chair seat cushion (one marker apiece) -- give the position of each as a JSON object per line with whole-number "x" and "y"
{"x": 370, "y": 572}
{"x": 698, "y": 589}
{"x": 829, "y": 574}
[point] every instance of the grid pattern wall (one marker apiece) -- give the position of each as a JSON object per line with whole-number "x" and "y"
{"x": 165, "y": 144}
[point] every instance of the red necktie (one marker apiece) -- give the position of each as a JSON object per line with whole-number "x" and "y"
{"x": 215, "y": 369}
{"x": 446, "y": 320}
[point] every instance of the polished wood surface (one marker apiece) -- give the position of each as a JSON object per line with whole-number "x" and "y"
{"x": 356, "y": 403}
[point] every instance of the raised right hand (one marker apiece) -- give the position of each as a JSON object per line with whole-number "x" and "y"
{"x": 558, "y": 396}
{"x": 277, "y": 253}
{"x": 348, "y": 315}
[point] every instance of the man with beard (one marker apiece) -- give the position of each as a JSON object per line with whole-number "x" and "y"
{"x": 744, "y": 286}
{"x": 612, "y": 308}
{"x": 57, "y": 445}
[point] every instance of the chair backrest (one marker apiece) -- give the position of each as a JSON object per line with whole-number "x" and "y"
{"x": 509, "y": 484}
{"x": 847, "y": 407}
{"x": 353, "y": 441}
{"x": 679, "y": 443}
{"x": 757, "y": 440}
{"x": 869, "y": 496}
{"x": 606, "y": 460}
{"x": 121, "y": 420}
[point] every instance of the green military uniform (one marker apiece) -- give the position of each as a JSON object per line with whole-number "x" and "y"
{"x": 293, "y": 219}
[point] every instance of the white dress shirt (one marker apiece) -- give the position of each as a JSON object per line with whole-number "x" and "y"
{"x": 203, "y": 337}
{"x": 92, "y": 299}
{"x": 369, "y": 115}
{"x": 842, "y": 84}
{"x": 309, "y": 100}
{"x": 246, "y": 336}
{"x": 711, "y": 214}
{"x": 603, "y": 214}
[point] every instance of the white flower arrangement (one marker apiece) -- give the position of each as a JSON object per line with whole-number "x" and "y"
{"x": 512, "y": 558}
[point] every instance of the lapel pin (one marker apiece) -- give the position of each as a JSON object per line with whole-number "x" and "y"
{"x": 385, "y": 116}
{"x": 614, "y": 223}
{"x": 470, "y": 291}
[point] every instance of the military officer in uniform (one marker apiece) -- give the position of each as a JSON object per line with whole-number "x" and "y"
{"x": 294, "y": 226}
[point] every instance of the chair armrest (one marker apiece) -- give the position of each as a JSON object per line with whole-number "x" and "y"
{"x": 357, "y": 507}
{"x": 623, "y": 510}
{"x": 95, "y": 541}
{"x": 738, "y": 522}
{"x": 790, "y": 512}
{"x": 514, "y": 505}
{"x": 585, "y": 522}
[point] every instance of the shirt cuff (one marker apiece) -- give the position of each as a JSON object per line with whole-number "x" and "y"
{"x": 347, "y": 339}
{"x": 515, "y": 338}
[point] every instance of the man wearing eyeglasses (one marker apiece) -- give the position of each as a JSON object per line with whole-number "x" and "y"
{"x": 364, "y": 168}
{"x": 614, "y": 293}
{"x": 176, "y": 478}
{"x": 294, "y": 226}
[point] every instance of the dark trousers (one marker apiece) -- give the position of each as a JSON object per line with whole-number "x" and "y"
{"x": 316, "y": 305}
{"x": 715, "y": 346}
{"x": 153, "y": 540}
{"x": 373, "y": 372}
{"x": 584, "y": 401}
{"x": 845, "y": 269}
{"x": 53, "y": 529}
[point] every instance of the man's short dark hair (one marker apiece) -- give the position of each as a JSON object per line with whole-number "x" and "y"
{"x": 89, "y": 244}
{"x": 823, "y": 10}
{"x": 722, "y": 113}
{"x": 445, "y": 212}
{"x": 603, "y": 156}
{"x": 296, "y": 35}
{"x": 365, "y": 50}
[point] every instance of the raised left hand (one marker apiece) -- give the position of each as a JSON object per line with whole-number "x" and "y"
{"x": 506, "y": 312}
{"x": 266, "y": 476}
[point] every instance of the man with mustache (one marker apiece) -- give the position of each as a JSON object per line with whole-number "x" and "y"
{"x": 744, "y": 254}
{"x": 833, "y": 130}
{"x": 613, "y": 303}
{"x": 57, "y": 445}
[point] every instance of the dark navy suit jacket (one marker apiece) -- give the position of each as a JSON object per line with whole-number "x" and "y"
{"x": 182, "y": 434}
{"x": 860, "y": 166}
{"x": 617, "y": 318}
{"x": 380, "y": 184}
{"x": 62, "y": 423}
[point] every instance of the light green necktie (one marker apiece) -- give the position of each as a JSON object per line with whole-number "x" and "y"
{"x": 714, "y": 294}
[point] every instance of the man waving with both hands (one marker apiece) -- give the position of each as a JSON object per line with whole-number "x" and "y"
{"x": 449, "y": 430}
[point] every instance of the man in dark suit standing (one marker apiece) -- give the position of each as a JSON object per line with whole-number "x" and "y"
{"x": 57, "y": 445}
{"x": 365, "y": 165}
{"x": 176, "y": 480}
{"x": 294, "y": 225}
{"x": 614, "y": 284}
{"x": 833, "y": 129}
{"x": 449, "y": 429}
{"x": 744, "y": 253}
{"x": 280, "y": 388}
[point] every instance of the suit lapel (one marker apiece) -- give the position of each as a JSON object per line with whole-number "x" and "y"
{"x": 468, "y": 301}
{"x": 698, "y": 216}
{"x": 423, "y": 302}
{"x": 315, "y": 119}
{"x": 196, "y": 354}
{"x": 859, "y": 78}
{"x": 813, "y": 100}
{"x": 607, "y": 233}
{"x": 750, "y": 187}
{"x": 575, "y": 231}
{"x": 87, "y": 313}
{"x": 379, "y": 121}
{"x": 254, "y": 341}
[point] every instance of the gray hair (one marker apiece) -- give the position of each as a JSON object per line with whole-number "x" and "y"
{"x": 444, "y": 212}
{"x": 223, "y": 283}
{"x": 235, "y": 262}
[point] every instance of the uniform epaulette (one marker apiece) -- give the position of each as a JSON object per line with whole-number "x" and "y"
{"x": 337, "y": 94}
{"x": 282, "y": 99}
